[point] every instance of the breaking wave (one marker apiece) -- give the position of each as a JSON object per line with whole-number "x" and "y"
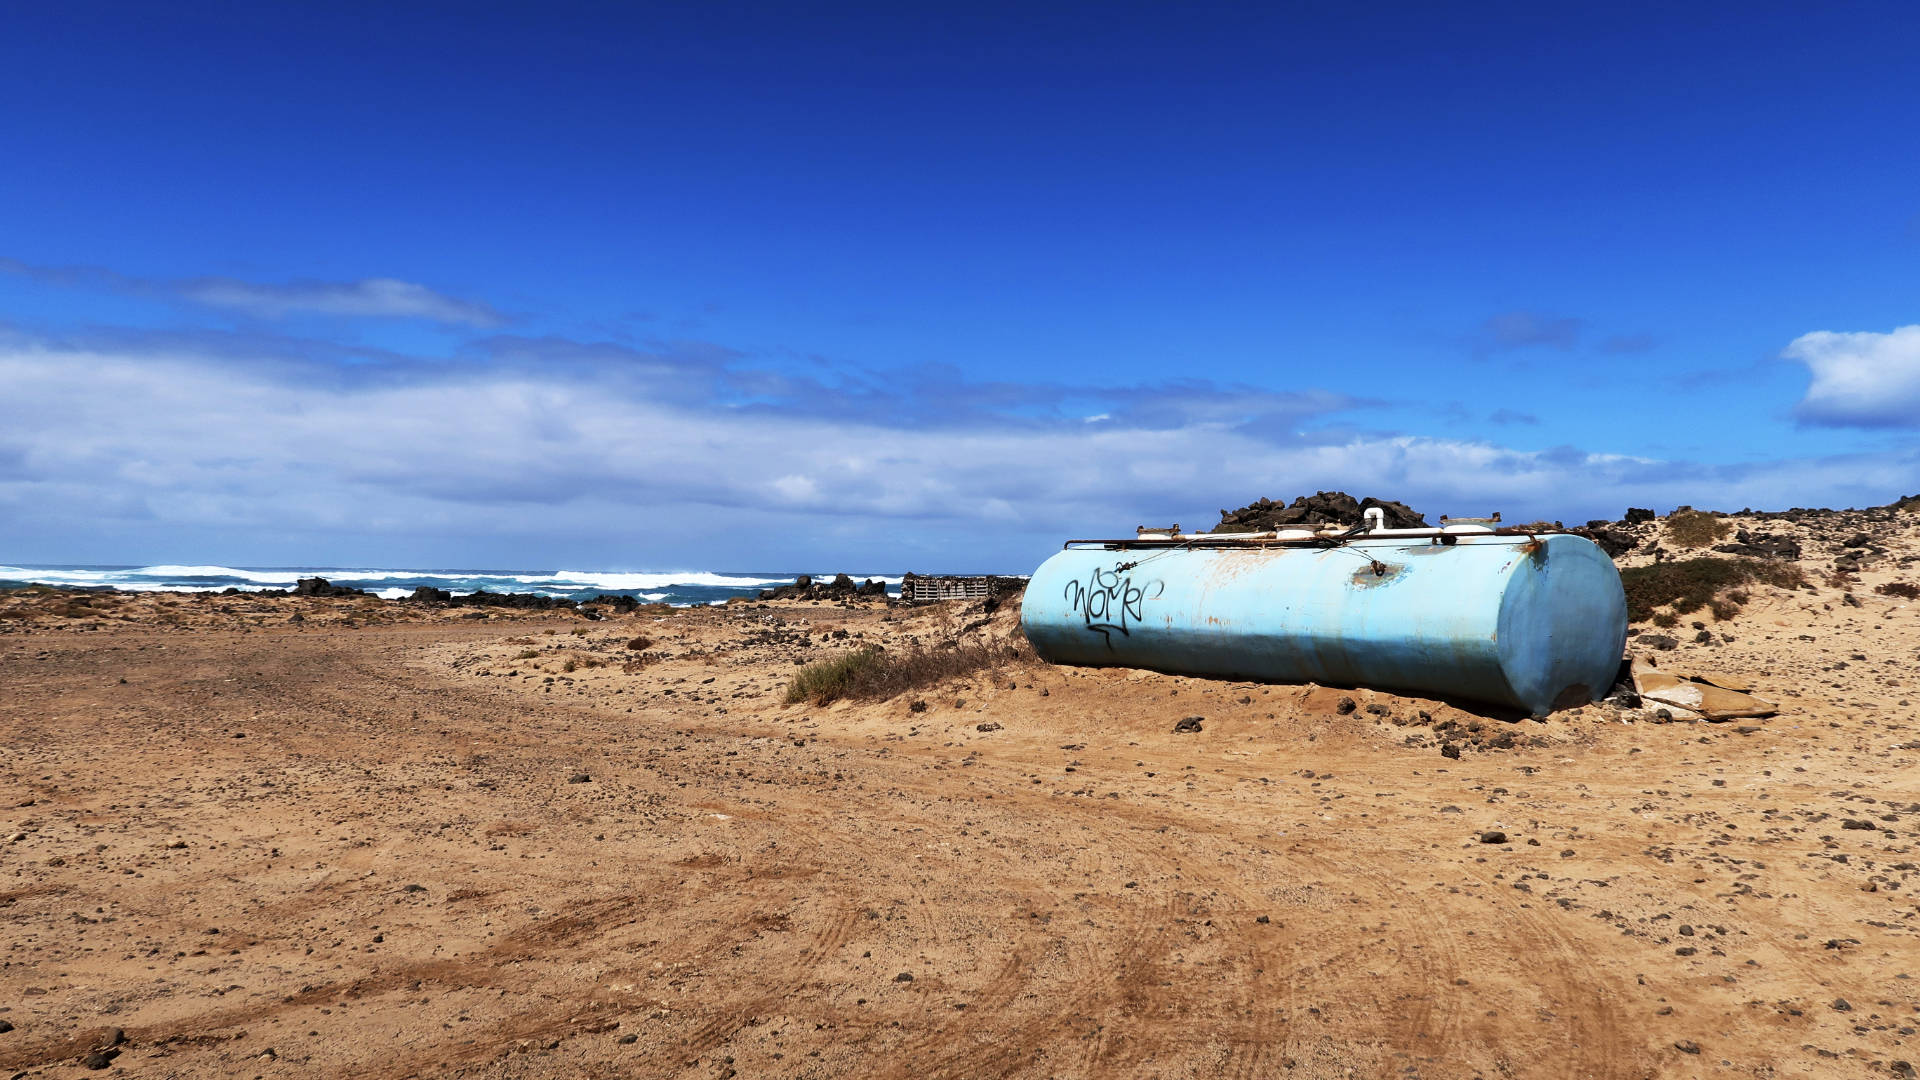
{"x": 677, "y": 587}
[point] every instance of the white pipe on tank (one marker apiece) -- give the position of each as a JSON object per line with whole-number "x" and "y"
{"x": 1298, "y": 535}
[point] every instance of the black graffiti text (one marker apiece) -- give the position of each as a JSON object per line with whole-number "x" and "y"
{"x": 1110, "y": 601}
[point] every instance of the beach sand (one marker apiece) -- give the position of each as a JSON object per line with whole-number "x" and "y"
{"x": 386, "y": 842}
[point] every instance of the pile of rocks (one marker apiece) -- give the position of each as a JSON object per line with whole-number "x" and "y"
{"x": 841, "y": 587}
{"x": 1613, "y": 540}
{"x": 1761, "y": 546}
{"x": 427, "y": 594}
{"x": 306, "y": 586}
{"x": 1322, "y": 508}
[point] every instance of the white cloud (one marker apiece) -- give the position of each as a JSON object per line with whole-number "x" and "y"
{"x": 380, "y": 297}
{"x": 369, "y": 297}
{"x": 1861, "y": 379}
{"x": 796, "y": 489}
{"x": 128, "y": 446}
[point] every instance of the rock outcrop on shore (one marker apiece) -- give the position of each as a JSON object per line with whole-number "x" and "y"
{"x": 482, "y": 598}
{"x": 319, "y": 586}
{"x": 593, "y": 607}
{"x": 841, "y": 587}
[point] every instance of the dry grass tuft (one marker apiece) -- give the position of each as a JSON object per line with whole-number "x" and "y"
{"x": 1696, "y": 529}
{"x": 1688, "y": 585}
{"x": 1901, "y": 589}
{"x": 874, "y": 674}
{"x": 640, "y": 644}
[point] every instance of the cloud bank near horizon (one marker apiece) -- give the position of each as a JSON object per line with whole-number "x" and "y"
{"x": 684, "y": 441}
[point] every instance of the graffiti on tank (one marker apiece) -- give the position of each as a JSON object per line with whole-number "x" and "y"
{"x": 1110, "y": 600}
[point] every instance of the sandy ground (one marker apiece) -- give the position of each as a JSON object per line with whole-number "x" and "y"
{"x": 383, "y": 843}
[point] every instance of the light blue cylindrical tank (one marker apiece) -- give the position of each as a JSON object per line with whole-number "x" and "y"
{"x": 1533, "y": 622}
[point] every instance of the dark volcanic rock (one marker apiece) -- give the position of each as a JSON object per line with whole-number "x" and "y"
{"x": 1761, "y": 546}
{"x": 1615, "y": 542}
{"x": 1324, "y": 508}
{"x": 533, "y": 601}
{"x": 1636, "y": 515}
{"x": 1189, "y": 724}
{"x": 619, "y": 602}
{"x": 1493, "y": 836}
{"x": 428, "y": 594}
{"x": 319, "y": 586}
{"x": 841, "y": 587}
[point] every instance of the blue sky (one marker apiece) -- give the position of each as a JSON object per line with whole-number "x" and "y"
{"x": 759, "y": 286}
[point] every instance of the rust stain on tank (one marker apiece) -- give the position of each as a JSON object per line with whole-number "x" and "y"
{"x": 1375, "y": 574}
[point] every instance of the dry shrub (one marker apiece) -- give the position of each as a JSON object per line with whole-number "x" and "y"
{"x": 1901, "y": 589}
{"x": 527, "y": 654}
{"x": 1690, "y": 584}
{"x": 1696, "y": 529}
{"x": 640, "y": 644}
{"x": 874, "y": 674}
{"x": 1728, "y": 604}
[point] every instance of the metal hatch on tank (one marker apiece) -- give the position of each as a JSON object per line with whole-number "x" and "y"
{"x": 1531, "y": 619}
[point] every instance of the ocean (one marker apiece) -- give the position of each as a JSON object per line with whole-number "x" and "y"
{"x": 680, "y": 588}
